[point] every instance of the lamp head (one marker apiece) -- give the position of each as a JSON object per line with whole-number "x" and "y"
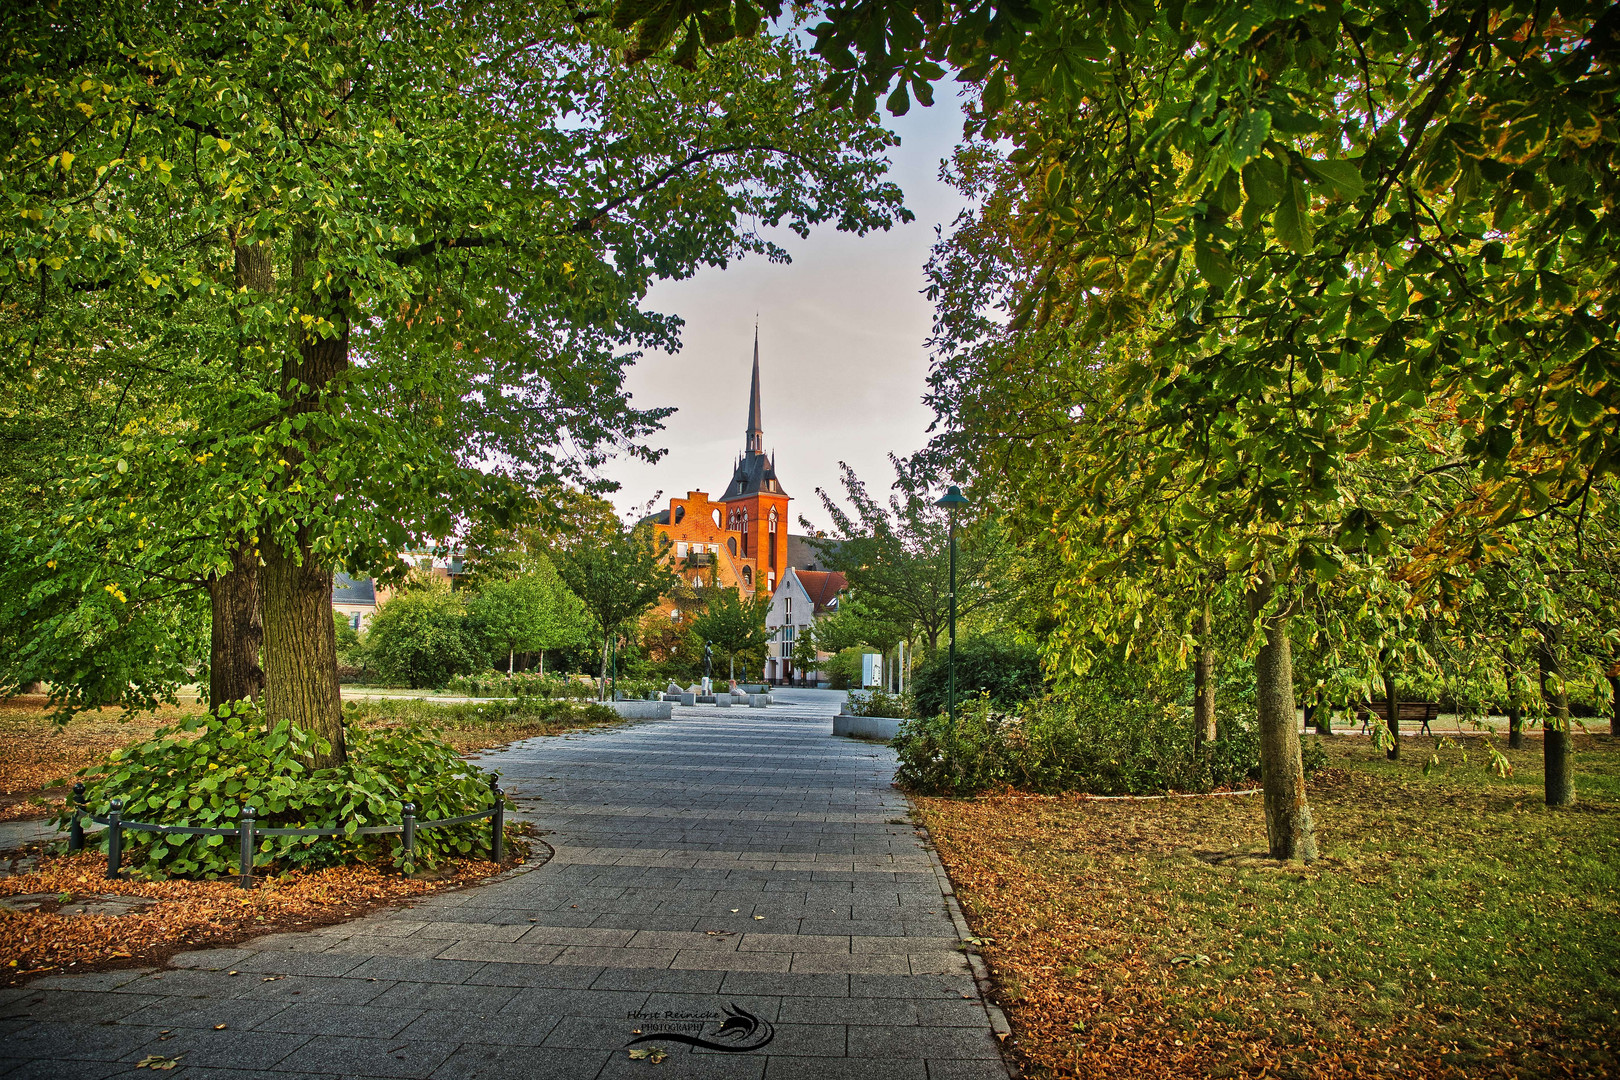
{"x": 952, "y": 498}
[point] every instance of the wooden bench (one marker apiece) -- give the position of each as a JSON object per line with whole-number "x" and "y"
{"x": 1411, "y": 712}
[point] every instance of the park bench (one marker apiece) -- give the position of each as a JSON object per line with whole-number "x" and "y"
{"x": 1411, "y": 712}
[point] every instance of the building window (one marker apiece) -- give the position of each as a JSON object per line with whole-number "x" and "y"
{"x": 731, "y": 542}
{"x": 680, "y": 550}
{"x": 770, "y": 582}
{"x": 788, "y": 632}
{"x": 354, "y": 623}
{"x": 748, "y": 576}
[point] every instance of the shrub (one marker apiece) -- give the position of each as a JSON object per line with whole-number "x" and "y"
{"x": 1090, "y": 745}
{"x": 879, "y": 703}
{"x": 422, "y": 638}
{"x": 1007, "y": 671}
{"x": 496, "y": 684}
{"x": 203, "y": 771}
{"x": 472, "y": 714}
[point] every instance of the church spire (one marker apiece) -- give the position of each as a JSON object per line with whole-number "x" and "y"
{"x": 755, "y": 433}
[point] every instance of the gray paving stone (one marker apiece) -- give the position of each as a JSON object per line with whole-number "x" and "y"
{"x": 77, "y": 1041}
{"x": 68, "y": 1007}
{"x": 222, "y": 1049}
{"x": 662, "y": 832}
{"x": 485, "y": 1062}
{"x": 354, "y": 1057}
{"x": 461, "y": 997}
{"x": 324, "y": 1018}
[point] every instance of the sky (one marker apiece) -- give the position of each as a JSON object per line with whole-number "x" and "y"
{"x": 841, "y": 349}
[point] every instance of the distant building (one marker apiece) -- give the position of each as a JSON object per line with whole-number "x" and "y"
{"x": 803, "y": 597}
{"x": 741, "y": 535}
{"x": 357, "y": 599}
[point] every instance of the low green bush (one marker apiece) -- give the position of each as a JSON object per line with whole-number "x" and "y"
{"x": 497, "y": 684}
{"x": 206, "y": 769}
{"x": 1006, "y": 670}
{"x": 879, "y": 703}
{"x": 472, "y": 714}
{"x": 1100, "y": 747}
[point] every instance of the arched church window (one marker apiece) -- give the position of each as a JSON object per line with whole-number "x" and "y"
{"x": 731, "y": 542}
{"x": 748, "y": 576}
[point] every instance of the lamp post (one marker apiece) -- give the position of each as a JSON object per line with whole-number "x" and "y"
{"x": 952, "y": 498}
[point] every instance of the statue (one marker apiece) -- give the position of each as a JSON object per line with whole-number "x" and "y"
{"x": 708, "y": 669}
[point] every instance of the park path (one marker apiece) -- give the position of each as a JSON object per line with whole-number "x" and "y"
{"x": 737, "y": 880}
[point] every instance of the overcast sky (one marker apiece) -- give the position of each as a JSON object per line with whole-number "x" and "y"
{"x": 842, "y": 362}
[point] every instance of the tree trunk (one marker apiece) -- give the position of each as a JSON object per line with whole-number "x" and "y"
{"x": 1558, "y": 762}
{"x": 602, "y": 693}
{"x": 237, "y": 632}
{"x": 511, "y": 655}
{"x": 1614, "y": 712}
{"x": 1392, "y": 706}
{"x": 300, "y": 650}
{"x": 1515, "y": 712}
{"x": 542, "y": 663}
{"x": 1203, "y": 684}
{"x": 300, "y": 645}
{"x": 1289, "y": 830}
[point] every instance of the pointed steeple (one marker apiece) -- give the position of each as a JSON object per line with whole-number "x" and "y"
{"x": 756, "y": 433}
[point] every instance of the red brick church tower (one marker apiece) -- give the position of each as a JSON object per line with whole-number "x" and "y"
{"x": 743, "y": 533}
{"x": 756, "y": 506}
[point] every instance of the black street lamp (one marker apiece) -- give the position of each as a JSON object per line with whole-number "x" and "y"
{"x": 952, "y": 498}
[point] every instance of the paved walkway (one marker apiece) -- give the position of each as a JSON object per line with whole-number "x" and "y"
{"x": 736, "y": 884}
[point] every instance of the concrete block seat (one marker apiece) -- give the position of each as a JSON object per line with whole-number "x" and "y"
{"x": 883, "y": 728}
{"x": 681, "y": 699}
{"x": 643, "y": 710}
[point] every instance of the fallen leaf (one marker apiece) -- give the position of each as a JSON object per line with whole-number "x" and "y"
{"x": 651, "y": 1053}
{"x": 158, "y": 1062}
{"x": 220, "y": 1027}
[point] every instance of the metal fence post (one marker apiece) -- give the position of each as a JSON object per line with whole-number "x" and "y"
{"x": 76, "y": 826}
{"x": 409, "y": 832}
{"x": 244, "y": 839}
{"x": 497, "y": 839}
{"x": 115, "y": 838}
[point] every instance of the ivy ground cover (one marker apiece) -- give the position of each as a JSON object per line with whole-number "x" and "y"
{"x": 1454, "y": 927}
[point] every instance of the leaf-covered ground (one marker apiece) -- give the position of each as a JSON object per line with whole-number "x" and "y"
{"x": 185, "y": 914}
{"x": 34, "y": 751}
{"x": 1454, "y": 927}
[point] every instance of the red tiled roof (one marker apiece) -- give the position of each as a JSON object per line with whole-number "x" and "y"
{"x": 822, "y": 585}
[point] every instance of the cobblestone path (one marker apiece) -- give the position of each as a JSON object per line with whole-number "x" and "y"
{"x": 734, "y": 888}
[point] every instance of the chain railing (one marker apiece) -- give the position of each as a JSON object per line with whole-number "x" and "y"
{"x": 247, "y": 829}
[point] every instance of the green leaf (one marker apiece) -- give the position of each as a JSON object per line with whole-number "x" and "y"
{"x": 1344, "y": 177}
{"x": 1291, "y": 221}
{"x": 1212, "y": 264}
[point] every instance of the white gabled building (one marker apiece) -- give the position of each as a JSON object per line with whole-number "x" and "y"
{"x": 801, "y": 597}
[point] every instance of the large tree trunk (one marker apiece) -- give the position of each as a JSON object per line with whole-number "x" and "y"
{"x": 1203, "y": 684}
{"x": 237, "y": 632}
{"x": 1289, "y": 830}
{"x": 300, "y": 650}
{"x": 1557, "y": 760}
{"x": 1392, "y": 704}
{"x": 300, "y": 644}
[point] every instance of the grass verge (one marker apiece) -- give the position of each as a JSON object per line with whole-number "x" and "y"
{"x": 1454, "y": 927}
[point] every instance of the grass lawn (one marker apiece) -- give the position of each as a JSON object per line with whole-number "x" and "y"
{"x": 1454, "y": 926}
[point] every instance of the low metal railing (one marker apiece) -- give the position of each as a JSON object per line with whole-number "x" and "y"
{"x": 247, "y": 829}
